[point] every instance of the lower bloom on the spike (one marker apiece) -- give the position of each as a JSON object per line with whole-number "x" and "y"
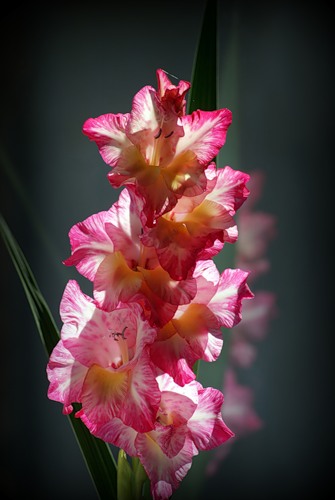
{"x": 195, "y": 330}
{"x": 102, "y": 362}
{"x": 188, "y": 420}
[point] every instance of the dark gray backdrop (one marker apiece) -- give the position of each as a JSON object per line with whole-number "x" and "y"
{"x": 64, "y": 63}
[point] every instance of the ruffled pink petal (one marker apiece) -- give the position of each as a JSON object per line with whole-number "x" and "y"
{"x": 124, "y": 225}
{"x": 147, "y": 182}
{"x": 115, "y": 281}
{"x": 130, "y": 166}
{"x": 230, "y": 189}
{"x": 142, "y": 400}
{"x": 171, "y": 439}
{"x": 76, "y": 309}
{"x": 116, "y": 433}
{"x": 175, "y": 357}
{"x": 157, "y": 311}
{"x": 90, "y": 244}
{"x": 108, "y": 132}
{"x": 167, "y": 384}
{"x": 210, "y": 218}
{"x": 145, "y": 115}
{"x": 153, "y": 127}
{"x": 103, "y": 393}
{"x": 187, "y": 204}
{"x": 216, "y": 246}
{"x": 145, "y": 334}
{"x": 144, "y": 122}
{"x": 175, "y": 408}
{"x": 66, "y": 377}
{"x": 221, "y": 433}
{"x": 165, "y": 473}
{"x": 227, "y": 302}
{"x": 183, "y": 173}
{"x": 162, "y": 435}
{"x": 203, "y": 424}
{"x": 194, "y": 326}
{"x": 176, "y": 250}
{"x": 178, "y": 260}
{"x": 159, "y": 198}
{"x": 205, "y": 133}
{"x": 169, "y": 290}
{"x": 172, "y": 96}
{"x": 214, "y": 346}
{"x": 207, "y": 275}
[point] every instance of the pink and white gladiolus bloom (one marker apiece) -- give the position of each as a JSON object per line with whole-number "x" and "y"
{"x": 156, "y": 149}
{"x": 195, "y": 330}
{"x": 107, "y": 249}
{"x": 102, "y": 361}
{"x": 198, "y": 226}
{"x": 188, "y": 420}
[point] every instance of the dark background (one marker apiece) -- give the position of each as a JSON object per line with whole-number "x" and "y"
{"x": 66, "y": 62}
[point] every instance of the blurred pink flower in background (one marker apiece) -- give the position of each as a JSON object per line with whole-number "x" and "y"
{"x": 257, "y": 229}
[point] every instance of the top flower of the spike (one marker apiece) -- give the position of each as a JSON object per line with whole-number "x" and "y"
{"x": 172, "y": 96}
{"x": 156, "y": 150}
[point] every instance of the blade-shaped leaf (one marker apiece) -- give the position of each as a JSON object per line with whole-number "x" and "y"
{"x": 44, "y": 321}
{"x": 97, "y": 453}
{"x": 203, "y": 92}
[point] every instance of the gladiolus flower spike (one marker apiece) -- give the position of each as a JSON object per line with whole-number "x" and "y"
{"x": 159, "y": 302}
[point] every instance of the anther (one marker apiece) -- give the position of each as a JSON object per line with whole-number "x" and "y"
{"x": 116, "y": 335}
{"x": 169, "y": 135}
{"x": 157, "y": 136}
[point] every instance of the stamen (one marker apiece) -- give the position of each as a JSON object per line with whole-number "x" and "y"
{"x": 116, "y": 335}
{"x": 157, "y": 136}
{"x": 120, "y": 338}
{"x": 169, "y": 135}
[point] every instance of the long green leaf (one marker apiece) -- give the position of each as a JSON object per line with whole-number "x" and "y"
{"x": 97, "y": 453}
{"x": 203, "y": 92}
{"x": 44, "y": 321}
